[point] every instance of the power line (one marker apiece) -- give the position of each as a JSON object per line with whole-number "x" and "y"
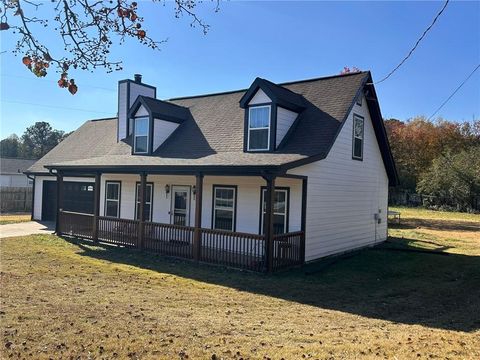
{"x": 55, "y": 107}
{"x": 416, "y": 44}
{"x": 53, "y": 81}
{"x": 455, "y": 91}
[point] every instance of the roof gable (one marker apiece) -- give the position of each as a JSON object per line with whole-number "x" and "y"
{"x": 282, "y": 96}
{"x": 160, "y": 109}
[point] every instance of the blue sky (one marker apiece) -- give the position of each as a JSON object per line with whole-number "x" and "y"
{"x": 280, "y": 41}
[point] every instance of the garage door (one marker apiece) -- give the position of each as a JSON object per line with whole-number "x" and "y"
{"x": 77, "y": 197}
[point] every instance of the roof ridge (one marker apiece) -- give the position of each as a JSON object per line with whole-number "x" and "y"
{"x": 163, "y": 101}
{"x": 279, "y": 84}
{"x": 103, "y": 119}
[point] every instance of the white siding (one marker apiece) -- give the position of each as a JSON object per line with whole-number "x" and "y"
{"x": 345, "y": 194}
{"x": 141, "y": 111}
{"x": 162, "y": 130}
{"x": 285, "y": 119}
{"x": 123, "y": 106}
{"x": 37, "y": 206}
{"x": 124, "y": 103}
{"x": 259, "y": 98}
{"x": 14, "y": 180}
{"x": 248, "y": 198}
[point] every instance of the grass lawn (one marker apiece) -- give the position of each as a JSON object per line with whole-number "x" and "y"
{"x": 14, "y": 218}
{"x": 63, "y": 299}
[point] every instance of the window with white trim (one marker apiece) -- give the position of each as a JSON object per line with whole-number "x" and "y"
{"x": 112, "y": 199}
{"x": 259, "y": 128}
{"x": 148, "y": 201}
{"x": 358, "y": 133}
{"x": 140, "y": 141}
{"x": 224, "y": 198}
{"x": 280, "y": 210}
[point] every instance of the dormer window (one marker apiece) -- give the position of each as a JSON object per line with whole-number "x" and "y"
{"x": 141, "y": 135}
{"x": 259, "y": 128}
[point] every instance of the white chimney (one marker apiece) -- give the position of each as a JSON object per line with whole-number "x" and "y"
{"x": 128, "y": 91}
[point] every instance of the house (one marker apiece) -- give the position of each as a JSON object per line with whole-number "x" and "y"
{"x": 11, "y": 172}
{"x": 262, "y": 178}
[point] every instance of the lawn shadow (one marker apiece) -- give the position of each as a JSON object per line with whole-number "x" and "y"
{"x": 441, "y": 224}
{"x": 406, "y": 287}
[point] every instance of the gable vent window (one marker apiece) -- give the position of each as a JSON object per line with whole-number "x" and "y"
{"x": 259, "y": 128}
{"x": 358, "y": 133}
{"x": 141, "y": 135}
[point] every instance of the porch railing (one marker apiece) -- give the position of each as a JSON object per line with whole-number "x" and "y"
{"x": 235, "y": 249}
{"x": 172, "y": 240}
{"x": 76, "y": 224}
{"x": 287, "y": 249}
{"x": 118, "y": 231}
{"x": 240, "y": 250}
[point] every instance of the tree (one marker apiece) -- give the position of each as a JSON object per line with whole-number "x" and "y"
{"x": 10, "y": 147}
{"x": 39, "y": 139}
{"x": 85, "y": 30}
{"x": 417, "y": 142}
{"x": 454, "y": 177}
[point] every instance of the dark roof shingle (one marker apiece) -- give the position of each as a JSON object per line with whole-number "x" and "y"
{"x": 213, "y": 135}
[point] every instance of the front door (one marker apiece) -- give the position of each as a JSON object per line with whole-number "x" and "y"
{"x": 180, "y": 206}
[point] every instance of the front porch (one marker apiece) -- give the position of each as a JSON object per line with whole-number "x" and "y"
{"x": 150, "y": 217}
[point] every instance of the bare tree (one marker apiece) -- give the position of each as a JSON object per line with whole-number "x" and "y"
{"x": 87, "y": 30}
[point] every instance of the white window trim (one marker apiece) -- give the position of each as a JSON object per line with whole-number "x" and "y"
{"x": 355, "y": 118}
{"x": 135, "y": 135}
{"x": 260, "y": 128}
{"x": 114, "y": 200}
{"x": 264, "y": 191}
{"x": 215, "y": 207}
{"x": 149, "y": 202}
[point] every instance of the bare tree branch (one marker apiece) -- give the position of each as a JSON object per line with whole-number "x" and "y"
{"x": 87, "y": 30}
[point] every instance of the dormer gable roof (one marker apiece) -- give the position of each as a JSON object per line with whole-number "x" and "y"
{"x": 282, "y": 96}
{"x": 160, "y": 109}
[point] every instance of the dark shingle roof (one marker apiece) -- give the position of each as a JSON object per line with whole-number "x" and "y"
{"x": 161, "y": 109}
{"x": 14, "y": 166}
{"x": 213, "y": 134}
{"x": 94, "y": 138}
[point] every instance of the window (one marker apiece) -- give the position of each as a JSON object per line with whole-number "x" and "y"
{"x": 224, "y": 207}
{"x": 148, "y": 201}
{"x": 357, "y": 146}
{"x": 112, "y": 199}
{"x": 141, "y": 135}
{"x": 258, "y": 128}
{"x": 280, "y": 210}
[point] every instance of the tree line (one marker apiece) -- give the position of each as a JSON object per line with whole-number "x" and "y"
{"x": 440, "y": 159}
{"x": 36, "y": 141}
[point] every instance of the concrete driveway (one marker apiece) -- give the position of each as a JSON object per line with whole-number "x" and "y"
{"x": 26, "y": 228}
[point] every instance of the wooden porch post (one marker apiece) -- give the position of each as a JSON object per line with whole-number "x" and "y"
{"x": 59, "y": 201}
{"x": 96, "y": 206}
{"x": 197, "y": 235}
{"x": 141, "y": 208}
{"x": 268, "y": 222}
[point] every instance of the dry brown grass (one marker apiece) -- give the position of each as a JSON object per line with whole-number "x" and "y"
{"x": 14, "y": 218}
{"x": 63, "y": 299}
